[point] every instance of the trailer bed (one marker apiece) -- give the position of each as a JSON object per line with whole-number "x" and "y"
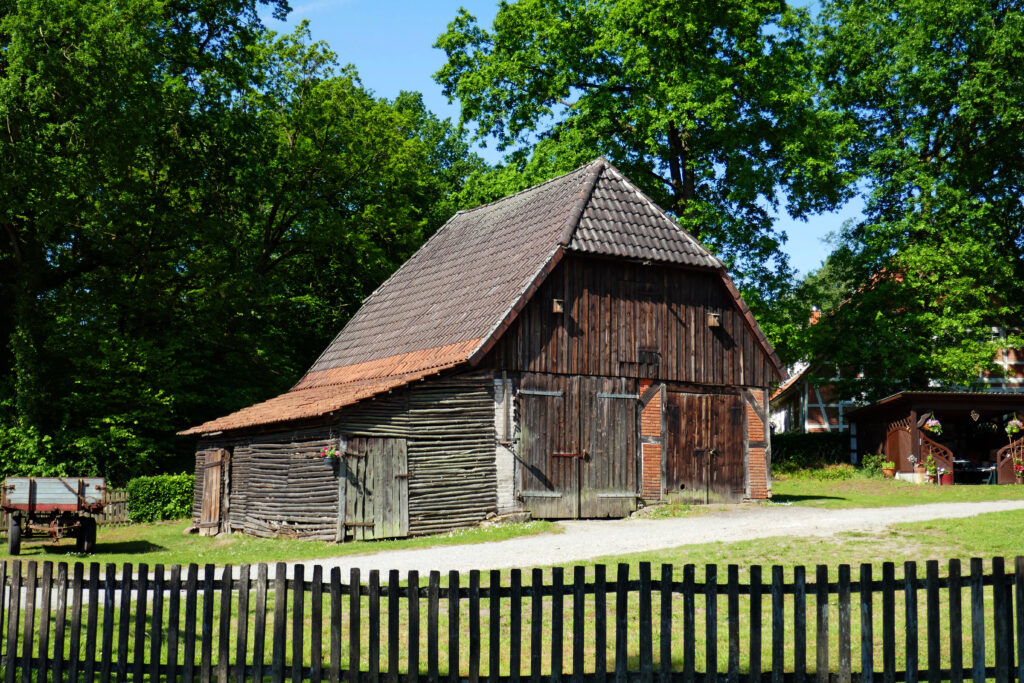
{"x": 53, "y": 494}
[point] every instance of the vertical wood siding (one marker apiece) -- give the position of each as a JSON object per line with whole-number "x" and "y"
{"x": 694, "y": 424}
{"x": 626, "y": 319}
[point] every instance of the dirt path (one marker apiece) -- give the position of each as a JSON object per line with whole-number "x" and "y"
{"x": 587, "y": 539}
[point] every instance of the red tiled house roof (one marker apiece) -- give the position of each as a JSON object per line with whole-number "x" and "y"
{"x": 452, "y": 300}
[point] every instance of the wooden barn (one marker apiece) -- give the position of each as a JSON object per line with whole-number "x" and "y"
{"x": 567, "y": 352}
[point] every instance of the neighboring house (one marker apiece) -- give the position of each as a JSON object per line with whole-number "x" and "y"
{"x": 568, "y": 351}
{"x": 798, "y": 404}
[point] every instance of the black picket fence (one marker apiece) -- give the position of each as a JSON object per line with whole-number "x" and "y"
{"x": 91, "y": 623}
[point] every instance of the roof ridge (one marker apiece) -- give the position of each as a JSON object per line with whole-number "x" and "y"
{"x": 531, "y": 188}
{"x": 572, "y": 221}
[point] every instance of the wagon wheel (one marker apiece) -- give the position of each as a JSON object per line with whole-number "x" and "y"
{"x": 14, "y": 536}
{"x": 85, "y": 540}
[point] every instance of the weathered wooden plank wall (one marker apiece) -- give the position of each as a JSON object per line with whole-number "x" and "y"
{"x": 695, "y": 424}
{"x": 281, "y": 486}
{"x": 632, "y": 320}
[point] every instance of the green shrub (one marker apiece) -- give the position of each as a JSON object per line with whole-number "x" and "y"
{"x": 821, "y": 447}
{"x": 165, "y": 496}
{"x": 871, "y": 464}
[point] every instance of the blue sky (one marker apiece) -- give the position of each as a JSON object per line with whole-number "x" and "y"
{"x": 391, "y": 44}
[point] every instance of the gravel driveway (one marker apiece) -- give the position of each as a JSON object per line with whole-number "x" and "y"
{"x": 587, "y": 539}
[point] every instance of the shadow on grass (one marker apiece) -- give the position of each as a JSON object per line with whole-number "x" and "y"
{"x": 789, "y": 498}
{"x": 122, "y": 548}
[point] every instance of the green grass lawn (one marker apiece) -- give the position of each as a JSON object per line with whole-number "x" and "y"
{"x": 167, "y": 544}
{"x": 864, "y": 492}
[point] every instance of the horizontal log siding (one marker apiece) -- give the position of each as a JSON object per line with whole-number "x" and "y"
{"x": 613, "y": 309}
{"x": 448, "y": 424}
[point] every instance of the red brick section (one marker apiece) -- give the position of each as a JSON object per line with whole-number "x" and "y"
{"x": 757, "y": 461}
{"x": 650, "y": 426}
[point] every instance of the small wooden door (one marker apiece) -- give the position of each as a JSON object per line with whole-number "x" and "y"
{"x": 548, "y": 447}
{"x": 705, "y": 454}
{"x": 608, "y": 434}
{"x": 374, "y": 489}
{"x": 210, "y": 517}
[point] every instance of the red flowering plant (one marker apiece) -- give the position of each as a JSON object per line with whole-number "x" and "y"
{"x": 329, "y": 452}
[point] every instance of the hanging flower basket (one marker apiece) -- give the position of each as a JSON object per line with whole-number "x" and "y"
{"x": 933, "y": 425}
{"x": 330, "y": 456}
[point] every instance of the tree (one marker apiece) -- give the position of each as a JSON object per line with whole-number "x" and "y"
{"x": 710, "y": 108}
{"x": 193, "y": 206}
{"x": 935, "y": 93}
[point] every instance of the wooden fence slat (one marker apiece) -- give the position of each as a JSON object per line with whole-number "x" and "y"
{"x": 453, "y": 627}
{"x": 689, "y": 624}
{"x": 413, "y": 583}
{"x": 1018, "y": 584}
{"x": 61, "y": 609}
{"x": 800, "y": 623}
{"x": 75, "y": 640}
{"x": 621, "y": 602}
{"x": 579, "y": 580}
{"x": 173, "y": 604}
{"x": 557, "y": 592}
{"x": 45, "y": 591}
{"x": 433, "y": 625}
{"x": 821, "y": 632}
{"x": 494, "y": 627}
{"x": 931, "y": 597}
{"x": 1000, "y": 617}
{"x": 711, "y": 619}
{"x": 778, "y": 625}
{"x": 474, "y": 626}
{"x": 646, "y": 625}
{"x": 845, "y": 660}
{"x": 107, "y": 646}
{"x": 910, "y": 620}
{"x": 209, "y": 596}
{"x": 141, "y": 610}
{"x": 867, "y": 639}
{"x": 277, "y": 655}
{"x": 259, "y": 626}
{"x": 355, "y": 625}
{"x": 29, "y": 627}
{"x": 732, "y": 592}
{"x": 515, "y": 608}
{"x": 316, "y": 621}
{"x": 124, "y": 621}
{"x": 394, "y": 607}
{"x": 754, "y": 646}
{"x": 188, "y": 665}
{"x": 600, "y": 624}
{"x": 665, "y": 628}
{"x": 298, "y": 622}
{"x": 373, "y": 632}
{"x": 13, "y": 612}
{"x": 242, "y": 622}
{"x": 156, "y": 629}
{"x": 3, "y": 610}
{"x": 888, "y": 622}
{"x": 335, "y": 669}
{"x": 224, "y": 628}
{"x": 977, "y": 621}
{"x": 954, "y": 599}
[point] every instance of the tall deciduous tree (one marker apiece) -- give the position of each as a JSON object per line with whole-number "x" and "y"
{"x": 709, "y": 107}
{"x": 937, "y": 95}
{"x": 192, "y": 206}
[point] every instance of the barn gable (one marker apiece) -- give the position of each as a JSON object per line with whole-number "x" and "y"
{"x": 458, "y": 295}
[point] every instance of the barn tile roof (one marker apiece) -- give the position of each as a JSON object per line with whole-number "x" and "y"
{"x": 450, "y": 302}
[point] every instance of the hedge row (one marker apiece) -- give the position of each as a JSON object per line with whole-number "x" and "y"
{"x": 165, "y": 496}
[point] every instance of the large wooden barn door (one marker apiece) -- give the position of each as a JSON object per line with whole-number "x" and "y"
{"x": 374, "y": 489}
{"x": 549, "y": 446}
{"x": 705, "y": 458}
{"x": 608, "y": 436}
{"x": 215, "y": 464}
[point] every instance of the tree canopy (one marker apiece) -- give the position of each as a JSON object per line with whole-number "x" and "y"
{"x": 710, "y": 108}
{"x": 193, "y": 206}
{"x": 936, "y": 265}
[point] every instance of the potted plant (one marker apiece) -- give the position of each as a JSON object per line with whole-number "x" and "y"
{"x": 1013, "y": 427}
{"x": 916, "y": 464}
{"x": 931, "y": 469}
{"x": 889, "y": 469}
{"x": 330, "y": 456}
{"x": 933, "y": 425}
{"x": 945, "y": 477}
